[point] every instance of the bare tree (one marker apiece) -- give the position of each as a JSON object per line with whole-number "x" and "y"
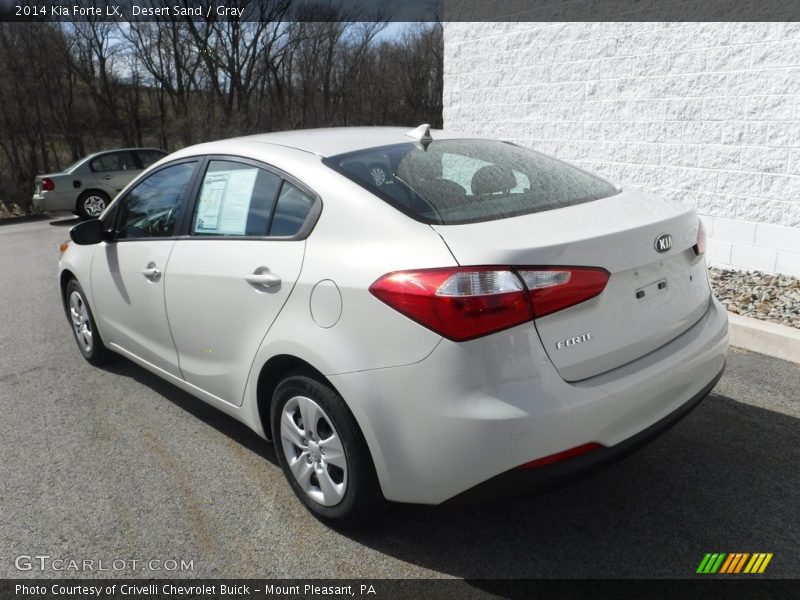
{"x": 67, "y": 89}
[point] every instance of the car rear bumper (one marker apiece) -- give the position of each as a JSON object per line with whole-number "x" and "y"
{"x": 54, "y": 201}
{"x": 518, "y": 482}
{"x": 472, "y": 411}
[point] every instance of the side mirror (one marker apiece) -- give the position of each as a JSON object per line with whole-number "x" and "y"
{"x": 88, "y": 233}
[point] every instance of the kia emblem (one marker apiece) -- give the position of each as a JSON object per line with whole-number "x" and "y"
{"x": 663, "y": 242}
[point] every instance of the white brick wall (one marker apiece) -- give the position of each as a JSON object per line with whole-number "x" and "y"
{"x": 707, "y": 113}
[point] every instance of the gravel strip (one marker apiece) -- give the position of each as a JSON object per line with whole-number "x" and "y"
{"x": 774, "y": 298}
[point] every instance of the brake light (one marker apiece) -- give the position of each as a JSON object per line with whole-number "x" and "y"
{"x": 48, "y": 185}
{"x": 556, "y": 288}
{"x": 463, "y": 303}
{"x": 458, "y": 303}
{"x": 700, "y": 246}
{"x": 559, "y": 456}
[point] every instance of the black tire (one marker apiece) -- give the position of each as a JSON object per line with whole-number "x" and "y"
{"x": 97, "y": 354}
{"x": 362, "y": 498}
{"x": 90, "y": 202}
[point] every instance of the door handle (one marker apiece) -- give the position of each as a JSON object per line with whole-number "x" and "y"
{"x": 107, "y": 176}
{"x": 151, "y": 272}
{"x": 264, "y": 279}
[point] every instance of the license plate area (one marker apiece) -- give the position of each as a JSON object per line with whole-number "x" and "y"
{"x": 651, "y": 290}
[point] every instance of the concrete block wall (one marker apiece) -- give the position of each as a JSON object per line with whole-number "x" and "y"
{"x": 706, "y": 113}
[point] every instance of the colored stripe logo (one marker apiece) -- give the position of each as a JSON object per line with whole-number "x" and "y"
{"x": 734, "y": 563}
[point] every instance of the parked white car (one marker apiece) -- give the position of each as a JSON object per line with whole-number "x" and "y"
{"x": 87, "y": 186}
{"x": 486, "y": 316}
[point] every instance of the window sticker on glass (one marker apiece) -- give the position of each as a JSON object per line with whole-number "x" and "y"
{"x": 225, "y": 202}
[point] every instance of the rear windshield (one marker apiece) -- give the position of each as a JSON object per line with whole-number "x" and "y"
{"x": 73, "y": 165}
{"x": 468, "y": 181}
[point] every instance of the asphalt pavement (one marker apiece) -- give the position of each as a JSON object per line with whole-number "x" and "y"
{"x": 115, "y": 464}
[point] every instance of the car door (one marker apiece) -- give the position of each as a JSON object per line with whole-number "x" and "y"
{"x": 128, "y": 273}
{"x": 115, "y": 170}
{"x": 228, "y": 279}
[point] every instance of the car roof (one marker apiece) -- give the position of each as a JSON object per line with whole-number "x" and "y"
{"x": 102, "y": 152}
{"x": 88, "y": 157}
{"x": 338, "y": 140}
{"x": 85, "y": 159}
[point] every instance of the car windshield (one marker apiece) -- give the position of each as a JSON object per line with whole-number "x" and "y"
{"x": 449, "y": 182}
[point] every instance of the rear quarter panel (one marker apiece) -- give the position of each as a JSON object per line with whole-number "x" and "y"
{"x": 357, "y": 239}
{"x": 65, "y": 195}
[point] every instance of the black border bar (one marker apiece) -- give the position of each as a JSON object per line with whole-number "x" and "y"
{"x": 732, "y": 587}
{"x": 400, "y": 10}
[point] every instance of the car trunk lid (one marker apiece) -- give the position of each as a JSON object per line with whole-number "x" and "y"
{"x": 651, "y": 297}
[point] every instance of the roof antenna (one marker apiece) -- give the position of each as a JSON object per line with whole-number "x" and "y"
{"x": 422, "y": 135}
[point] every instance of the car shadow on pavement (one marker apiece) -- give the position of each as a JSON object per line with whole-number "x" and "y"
{"x": 65, "y": 222}
{"x": 21, "y": 219}
{"x": 223, "y": 423}
{"x": 725, "y": 479}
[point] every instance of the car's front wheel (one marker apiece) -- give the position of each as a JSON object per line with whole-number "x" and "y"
{"x": 92, "y": 203}
{"x": 323, "y": 453}
{"x": 83, "y": 325}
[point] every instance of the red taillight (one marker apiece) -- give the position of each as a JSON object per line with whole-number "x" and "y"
{"x": 463, "y": 303}
{"x": 458, "y": 303}
{"x": 48, "y": 185}
{"x": 700, "y": 246}
{"x": 559, "y": 456}
{"x": 556, "y": 288}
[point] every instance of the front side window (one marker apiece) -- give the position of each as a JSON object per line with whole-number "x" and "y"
{"x": 150, "y": 209}
{"x": 449, "y": 182}
{"x": 117, "y": 161}
{"x": 236, "y": 199}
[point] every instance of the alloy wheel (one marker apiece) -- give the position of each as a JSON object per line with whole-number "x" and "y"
{"x": 313, "y": 451}
{"x": 378, "y": 175}
{"x": 81, "y": 322}
{"x": 94, "y": 205}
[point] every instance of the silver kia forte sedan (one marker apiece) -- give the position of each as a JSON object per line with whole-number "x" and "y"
{"x": 481, "y": 318}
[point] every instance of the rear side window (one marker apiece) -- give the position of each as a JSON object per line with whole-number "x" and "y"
{"x": 291, "y": 212}
{"x": 450, "y": 182}
{"x": 236, "y": 199}
{"x": 117, "y": 161}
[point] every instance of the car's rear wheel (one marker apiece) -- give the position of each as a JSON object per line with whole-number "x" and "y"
{"x": 92, "y": 203}
{"x": 323, "y": 453}
{"x": 83, "y": 325}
